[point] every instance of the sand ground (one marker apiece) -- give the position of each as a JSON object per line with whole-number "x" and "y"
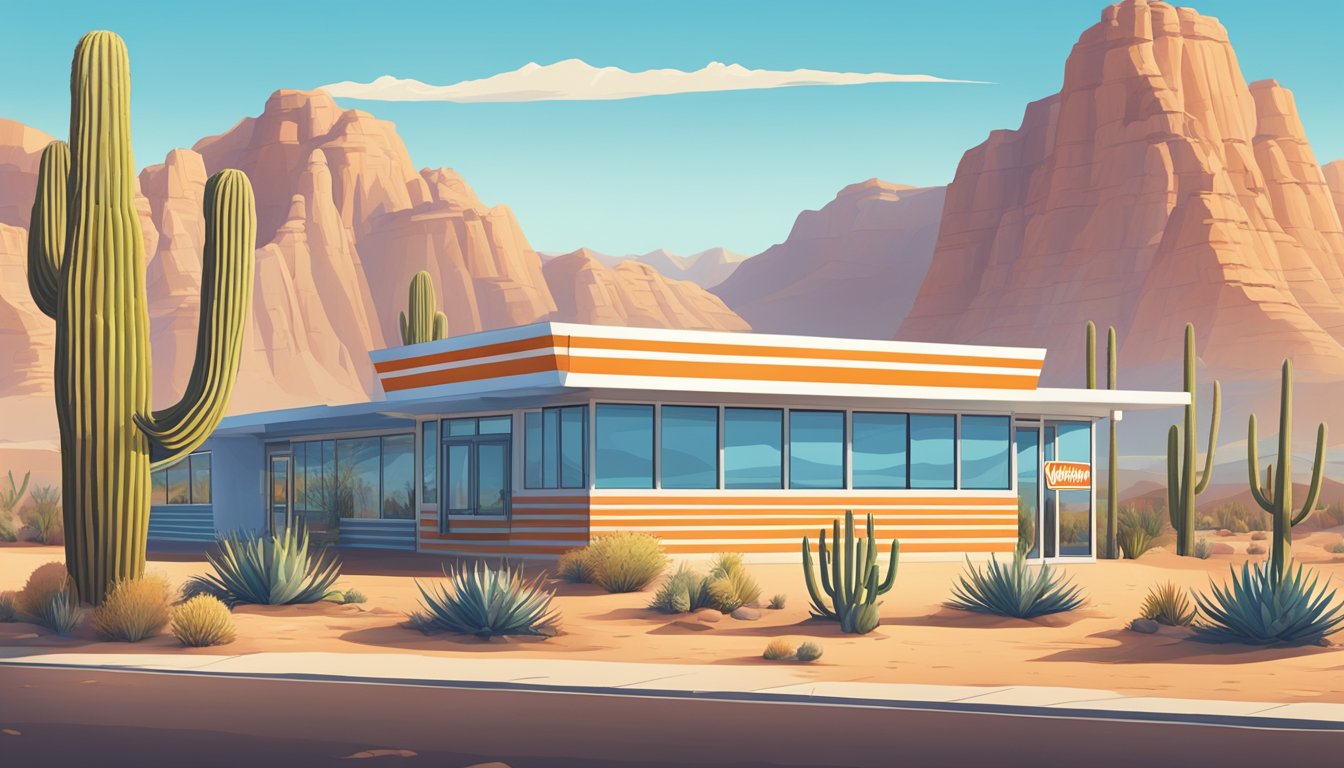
{"x": 920, "y": 640}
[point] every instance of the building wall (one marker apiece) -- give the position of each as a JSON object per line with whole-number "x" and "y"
{"x": 238, "y": 468}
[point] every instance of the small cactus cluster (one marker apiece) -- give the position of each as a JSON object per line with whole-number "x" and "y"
{"x": 422, "y": 320}
{"x": 849, "y": 577}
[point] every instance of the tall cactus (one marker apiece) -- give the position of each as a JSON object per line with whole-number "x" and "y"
{"x": 86, "y": 272}
{"x": 1181, "y": 486}
{"x": 10, "y": 499}
{"x": 849, "y": 578}
{"x": 1276, "y": 497}
{"x": 425, "y": 322}
{"x": 1113, "y": 463}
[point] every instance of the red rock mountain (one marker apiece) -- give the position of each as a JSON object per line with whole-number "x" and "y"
{"x": 849, "y": 269}
{"x": 1157, "y": 187}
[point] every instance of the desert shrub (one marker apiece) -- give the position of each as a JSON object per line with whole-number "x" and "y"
{"x": 574, "y": 567}
{"x": 9, "y": 609}
{"x": 1331, "y": 517}
{"x": 487, "y": 602}
{"x": 625, "y": 561}
{"x": 1260, "y": 609}
{"x": 808, "y": 651}
{"x": 682, "y": 592}
{"x": 1012, "y": 590}
{"x": 1205, "y": 523}
{"x": 777, "y": 602}
{"x": 354, "y": 596}
{"x": 43, "y": 514}
{"x": 1259, "y": 536}
{"x": 134, "y": 610}
{"x": 10, "y": 497}
{"x": 267, "y": 570}
{"x": 1203, "y": 548}
{"x": 1168, "y": 604}
{"x": 1338, "y": 549}
{"x": 60, "y": 612}
{"x": 45, "y": 581}
{"x": 730, "y": 586}
{"x": 1239, "y": 526}
{"x": 778, "y": 650}
{"x": 1238, "y": 519}
{"x": 8, "y": 532}
{"x": 203, "y": 621}
{"x": 1139, "y": 527}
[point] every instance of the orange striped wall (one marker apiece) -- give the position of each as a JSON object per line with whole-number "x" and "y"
{"x": 765, "y": 525}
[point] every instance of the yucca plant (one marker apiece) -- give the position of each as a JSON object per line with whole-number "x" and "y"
{"x": 267, "y": 570}
{"x": 1168, "y": 604}
{"x": 487, "y": 602}
{"x": 60, "y": 612}
{"x": 1011, "y": 590}
{"x": 1260, "y": 608}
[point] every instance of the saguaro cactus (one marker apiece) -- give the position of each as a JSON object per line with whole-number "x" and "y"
{"x": 1276, "y": 496}
{"x": 86, "y": 271}
{"x": 424, "y": 322}
{"x": 1113, "y": 463}
{"x": 1181, "y": 486}
{"x": 849, "y": 578}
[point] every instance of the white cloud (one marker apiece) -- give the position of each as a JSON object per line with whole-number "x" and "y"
{"x": 576, "y": 80}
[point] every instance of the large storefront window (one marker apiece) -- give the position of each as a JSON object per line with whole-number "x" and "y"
{"x": 690, "y": 447}
{"x": 429, "y": 461}
{"x": 554, "y": 447}
{"x": 365, "y": 478}
{"x": 816, "y": 449}
{"x": 753, "y": 448}
{"x": 623, "y": 443}
{"x": 186, "y": 482}
{"x": 880, "y": 444}
{"x": 985, "y": 448}
{"x": 933, "y": 451}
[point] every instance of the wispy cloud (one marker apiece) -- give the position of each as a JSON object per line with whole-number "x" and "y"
{"x": 576, "y": 80}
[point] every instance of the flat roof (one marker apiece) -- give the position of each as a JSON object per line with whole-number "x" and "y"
{"x": 516, "y": 367}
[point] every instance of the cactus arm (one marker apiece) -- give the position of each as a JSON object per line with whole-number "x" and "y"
{"x": 818, "y": 602}
{"x": 405, "y": 330}
{"x": 1090, "y": 345}
{"x": 1317, "y": 473}
{"x": 226, "y": 287}
{"x": 824, "y": 563}
{"x": 1253, "y": 467}
{"x": 440, "y": 326}
{"x": 1173, "y": 477}
{"x": 46, "y": 228}
{"x": 850, "y": 556}
{"x": 1110, "y": 358}
{"x": 1213, "y": 437}
{"x": 890, "y": 581}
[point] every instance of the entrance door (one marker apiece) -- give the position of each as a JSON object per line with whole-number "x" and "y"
{"x": 1029, "y": 489}
{"x": 279, "y": 492}
{"x": 476, "y": 476}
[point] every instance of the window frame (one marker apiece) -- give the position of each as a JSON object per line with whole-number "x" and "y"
{"x": 783, "y": 412}
{"x": 845, "y": 447}
{"x": 556, "y": 447}
{"x": 654, "y": 467}
{"x": 659, "y": 462}
{"x": 185, "y": 463}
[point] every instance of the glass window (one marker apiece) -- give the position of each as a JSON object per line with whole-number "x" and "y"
{"x": 985, "y": 447}
{"x": 933, "y": 450}
{"x": 573, "y": 422}
{"x": 690, "y": 447}
{"x": 356, "y": 489}
{"x": 158, "y": 487}
{"x": 816, "y": 449}
{"x": 550, "y": 448}
{"x": 457, "y": 477}
{"x": 879, "y": 450}
{"x": 753, "y": 448}
{"x": 200, "y": 478}
{"x": 624, "y": 446}
{"x": 1074, "y": 443}
{"x": 461, "y": 427}
{"x": 299, "y": 450}
{"x": 492, "y": 478}
{"x": 179, "y": 483}
{"x": 399, "y": 477}
{"x": 429, "y": 461}
{"x": 495, "y": 425}
{"x": 532, "y": 449}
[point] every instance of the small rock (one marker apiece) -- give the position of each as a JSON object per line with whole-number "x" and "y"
{"x": 746, "y": 614}
{"x": 708, "y": 615}
{"x": 1224, "y": 532}
{"x": 368, "y": 753}
{"x": 1143, "y": 626}
{"x": 1221, "y": 548}
{"x": 1255, "y": 549}
{"x": 12, "y": 732}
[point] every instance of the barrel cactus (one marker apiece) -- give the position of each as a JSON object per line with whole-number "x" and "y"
{"x": 422, "y": 321}
{"x": 86, "y": 272}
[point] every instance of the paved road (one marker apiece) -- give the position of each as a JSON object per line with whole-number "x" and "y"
{"x": 110, "y": 719}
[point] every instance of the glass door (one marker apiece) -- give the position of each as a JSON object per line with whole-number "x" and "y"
{"x": 279, "y": 492}
{"x": 1029, "y": 489}
{"x": 477, "y": 476}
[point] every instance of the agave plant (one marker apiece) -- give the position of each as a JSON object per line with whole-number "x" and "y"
{"x": 1011, "y": 590}
{"x": 267, "y": 570}
{"x": 487, "y": 602}
{"x": 1259, "y": 608}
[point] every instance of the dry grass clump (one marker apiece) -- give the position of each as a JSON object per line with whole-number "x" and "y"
{"x": 573, "y": 566}
{"x": 1168, "y": 604}
{"x": 808, "y": 651}
{"x": 9, "y": 610}
{"x": 135, "y": 609}
{"x": 618, "y": 562}
{"x": 778, "y": 649}
{"x": 777, "y": 602}
{"x": 45, "y": 581}
{"x": 202, "y": 621}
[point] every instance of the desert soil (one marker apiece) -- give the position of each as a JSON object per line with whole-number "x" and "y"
{"x": 920, "y": 640}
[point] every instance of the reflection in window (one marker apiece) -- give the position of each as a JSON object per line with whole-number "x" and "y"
{"x": 690, "y": 447}
{"x": 429, "y": 464}
{"x": 159, "y": 487}
{"x": 933, "y": 450}
{"x": 366, "y": 478}
{"x": 816, "y": 449}
{"x": 572, "y": 426}
{"x": 200, "y": 477}
{"x": 179, "y": 483}
{"x": 185, "y": 482}
{"x": 985, "y": 447}
{"x": 356, "y": 491}
{"x": 753, "y": 448}
{"x": 879, "y": 450}
{"x": 532, "y": 452}
{"x": 554, "y": 446}
{"x": 1074, "y": 443}
{"x": 623, "y": 442}
{"x": 398, "y": 477}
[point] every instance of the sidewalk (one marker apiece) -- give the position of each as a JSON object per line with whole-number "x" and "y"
{"x": 785, "y": 684}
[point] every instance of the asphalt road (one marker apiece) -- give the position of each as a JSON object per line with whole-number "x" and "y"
{"x": 56, "y": 717}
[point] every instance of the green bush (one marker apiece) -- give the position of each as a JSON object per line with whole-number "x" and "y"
{"x": 1259, "y": 609}
{"x": 9, "y": 610}
{"x": 8, "y": 532}
{"x": 1139, "y": 527}
{"x": 203, "y": 621}
{"x": 1205, "y": 523}
{"x": 486, "y": 602}
{"x": 134, "y": 610}
{"x": 1239, "y": 526}
{"x": 682, "y": 592}
{"x": 625, "y": 561}
{"x": 808, "y": 651}
{"x": 353, "y": 596}
{"x": 730, "y": 586}
{"x": 1011, "y": 590}
{"x": 43, "y": 514}
{"x": 574, "y": 567}
{"x": 1338, "y": 549}
{"x": 778, "y": 650}
{"x": 267, "y": 570}
{"x": 777, "y": 602}
{"x": 1203, "y": 548}
{"x": 1168, "y": 604}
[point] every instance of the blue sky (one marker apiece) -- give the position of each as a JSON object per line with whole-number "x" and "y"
{"x": 686, "y": 172}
